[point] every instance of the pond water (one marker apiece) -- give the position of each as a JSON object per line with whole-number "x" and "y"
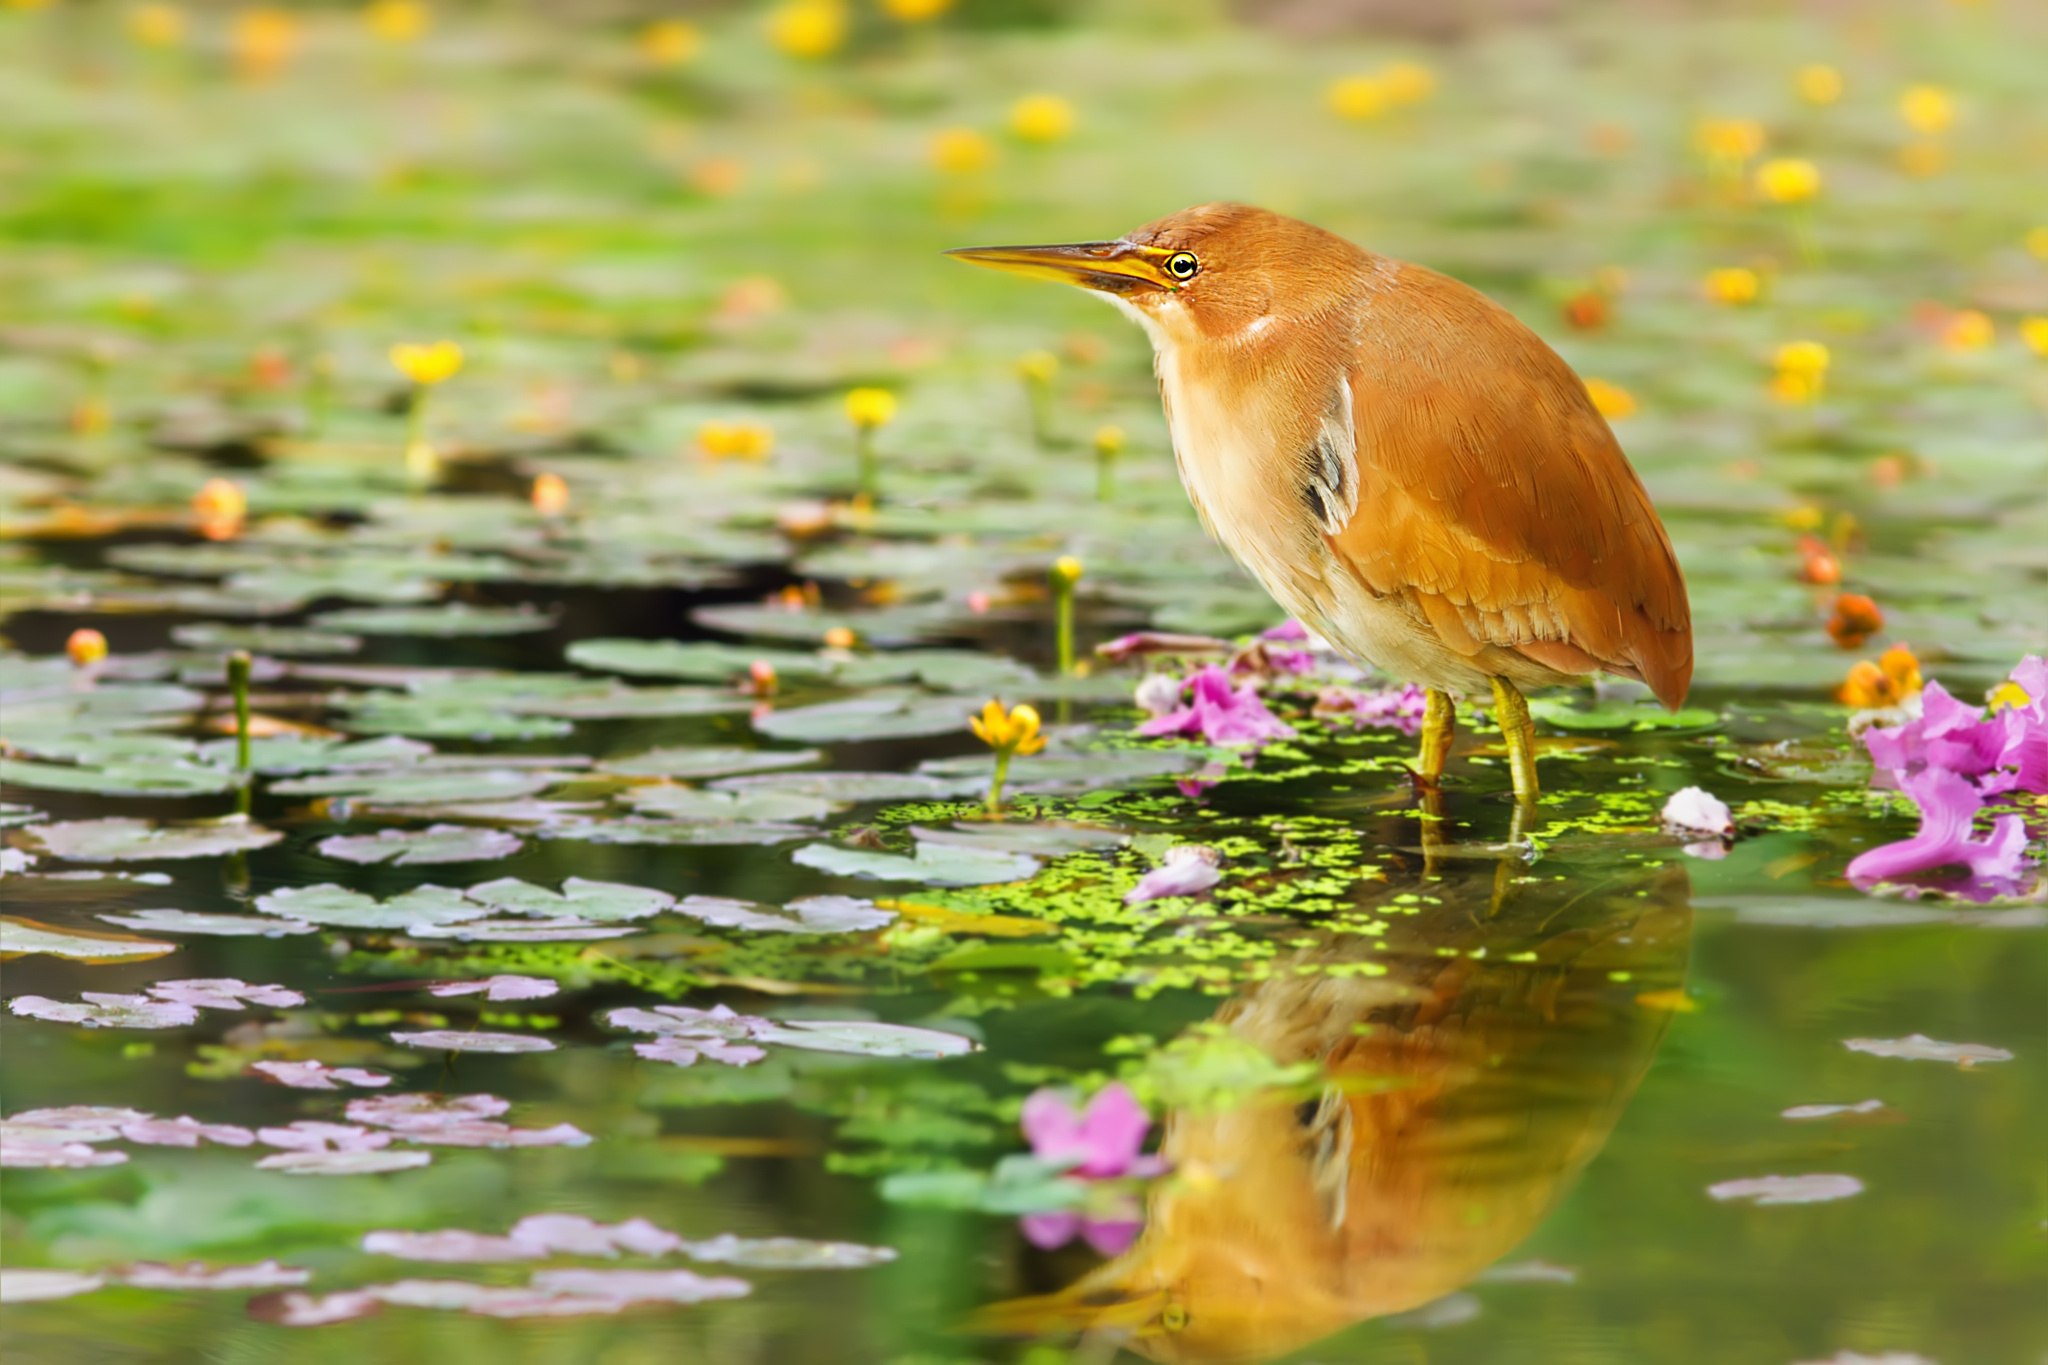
{"x": 611, "y": 873}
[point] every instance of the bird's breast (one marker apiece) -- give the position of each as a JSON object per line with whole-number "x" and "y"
{"x": 1234, "y": 458}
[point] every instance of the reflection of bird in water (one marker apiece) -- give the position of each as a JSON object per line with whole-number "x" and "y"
{"x": 1462, "y": 1092}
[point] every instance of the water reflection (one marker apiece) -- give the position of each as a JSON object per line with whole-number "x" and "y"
{"x": 1465, "y": 1089}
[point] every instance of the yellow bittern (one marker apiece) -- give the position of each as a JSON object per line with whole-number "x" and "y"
{"x": 1401, "y": 463}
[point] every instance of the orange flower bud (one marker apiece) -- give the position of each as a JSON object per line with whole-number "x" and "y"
{"x": 1855, "y": 619}
{"x": 86, "y": 647}
{"x": 550, "y": 494}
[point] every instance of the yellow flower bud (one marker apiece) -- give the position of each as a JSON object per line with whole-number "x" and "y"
{"x": 86, "y": 647}
{"x": 1818, "y": 84}
{"x": 915, "y": 11}
{"x": 808, "y": 29}
{"x": 396, "y": 21}
{"x": 1733, "y": 285}
{"x": 1788, "y": 180}
{"x": 1927, "y": 109}
{"x": 1613, "y": 401}
{"x": 1109, "y": 440}
{"x": 1066, "y": 571}
{"x": 2034, "y": 331}
{"x": 1357, "y": 98}
{"x": 869, "y": 408}
{"x": 1038, "y": 367}
{"x": 670, "y": 42}
{"x": 1407, "y": 82}
{"x": 1041, "y": 118}
{"x": 427, "y": 364}
{"x": 550, "y": 494}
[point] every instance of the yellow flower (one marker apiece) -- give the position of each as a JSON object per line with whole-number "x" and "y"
{"x": 1109, "y": 440}
{"x": 1066, "y": 571}
{"x": 1407, "y": 82}
{"x": 1013, "y": 733}
{"x": 839, "y": 637}
{"x": 670, "y": 42}
{"x": 1888, "y": 682}
{"x": 1041, "y": 118}
{"x": 427, "y": 364}
{"x": 86, "y": 647}
{"x": 915, "y": 11}
{"x": 1733, "y": 285}
{"x": 868, "y": 408}
{"x": 1357, "y": 97}
{"x": 1818, "y": 83}
{"x": 263, "y": 40}
{"x": 1802, "y": 371}
{"x": 1923, "y": 157}
{"x": 736, "y": 440}
{"x": 2008, "y": 693}
{"x": 961, "y": 151}
{"x": 1967, "y": 330}
{"x": 2034, "y": 331}
{"x": 1038, "y": 367}
{"x": 1788, "y": 180}
{"x": 1927, "y": 109}
{"x": 1733, "y": 140}
{"x": 220, "y": 506}
{"x": 2037, "y": 242}
{"x": 157, "y": 25}
{"x": 396, "y": 21}
{"x": 550, "y": 494}
{"x": 1613, "y": 401}
{"x": 808, "y": 28}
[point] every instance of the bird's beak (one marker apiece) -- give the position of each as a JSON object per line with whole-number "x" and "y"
{"x": 1068, "y": 1311}
{"x": 1106, "y": 267}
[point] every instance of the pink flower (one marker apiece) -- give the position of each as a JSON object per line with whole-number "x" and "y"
{"x": 1398, "y": 708}
{"x": 1104, "y": 1140}
{"x": 1219, "y": 713}
{"x": 1144, "y": 642}
{"x": 1109, "y": 1236}
{"x": 1948, "y": 807}
{"x": 1186, "y": 870}
{"x": 1949, "y": 734}
{"x": 1290, "y": 631}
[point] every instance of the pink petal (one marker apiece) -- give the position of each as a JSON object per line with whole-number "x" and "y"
{"x": 1049, "y": 1230}
{"x": 1113, "y": 1130}
{"x": 1052, "y": 1126}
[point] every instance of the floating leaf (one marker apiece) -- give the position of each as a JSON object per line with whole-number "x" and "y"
{"x": 700, "y": 661}
{"x": 415, "y": 847}
{"x": 223, "y": 926}
{"x": 341, "y": 908}
{"x": 420, "y": 784}
{"x": 713, "y": 807}
{"x": 344, "y": 1163}
{"x": 1919, "y": 1047}
{"x": 287, "y": 640}
{"x": 123, "y": 840}
{"x": 933, "y": 864}
{"x": 100, "y": 1010}
{"x": 706, "y": 761}
{"x": 787, "y": 1253}
{"x": 311, "y": 1075}
{"x": 18, "y": 936}
{"x": 120, "y": 779}
{"x": 21, "y": 1285}
{"x": 599, "y": 902}
{"x": 1637, "y": 717}
{"x": 438, "y": 622}
{"x": 499, "y": 988}
{"x": 809, "y": 915}
{"x": 875, "y": 717}
{"x": 857, "y": 786}
{"x": 454, "y": 1040}
{"x": 690, "y": 833}
{"x": 199, "y": 1275}
{"x": 1788, "y": 1189}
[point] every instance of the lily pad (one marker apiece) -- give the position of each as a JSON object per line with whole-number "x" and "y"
{"x": 809, "y": 915}
{"x": 285, "y": 640}
{"x": 117, "y": 779}
{"x": 856, "y": 786}
{"x": 698, "y": 661}
{"x": 787, "y": 1253}
{"x": 19, "y": 936}
{"x": 123, "y": 840}
{"x": 439, "y": 622}
{"x": 423, "y": 784}
{"x": 932, "y": 865}
{"x": 340, "y": 908}
{"x": 344, "y": 1163}
{"x": 596, "y": 902}
{"x": 220, "y": 926}
{"x": 1635, "y": 717}
{"x": 865, "y": 719}
{"x": 695, "y": 804}
{"x": 454, "y": 1040}
{"x": 680, "y": 833}
{"x": 22, "y": 1285}
{"x": 416, "y": 847}
{"x": 693, "y": 764}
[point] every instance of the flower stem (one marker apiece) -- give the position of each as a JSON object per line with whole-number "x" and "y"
{"x": 1038, "y": 396}
{"x": 1063, "y": 624}
{"x": 995, "y": 786}
{"x": 420, "y": 460}
{"x": 864, "y": 450}
{"x": 238, "y": 686}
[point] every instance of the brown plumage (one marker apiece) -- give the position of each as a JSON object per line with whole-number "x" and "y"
{"x": 1397, "y": 459}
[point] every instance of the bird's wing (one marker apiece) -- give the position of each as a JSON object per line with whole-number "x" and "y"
{"x": 1492, "y": 496}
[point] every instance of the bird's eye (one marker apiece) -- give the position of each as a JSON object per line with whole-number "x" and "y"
{"x": 1181, "y": 265}
{"x": 1173, "y": 1317}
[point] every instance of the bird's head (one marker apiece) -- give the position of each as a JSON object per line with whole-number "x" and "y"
{"x": 1216, "y": 272}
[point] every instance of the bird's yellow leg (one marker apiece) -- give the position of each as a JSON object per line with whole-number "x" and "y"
{"x": 1520, "y": 734}
{"x": 1439, "y": 723}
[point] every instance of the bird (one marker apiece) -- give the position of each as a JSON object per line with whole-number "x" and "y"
{"x": 1405, "y": 466}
